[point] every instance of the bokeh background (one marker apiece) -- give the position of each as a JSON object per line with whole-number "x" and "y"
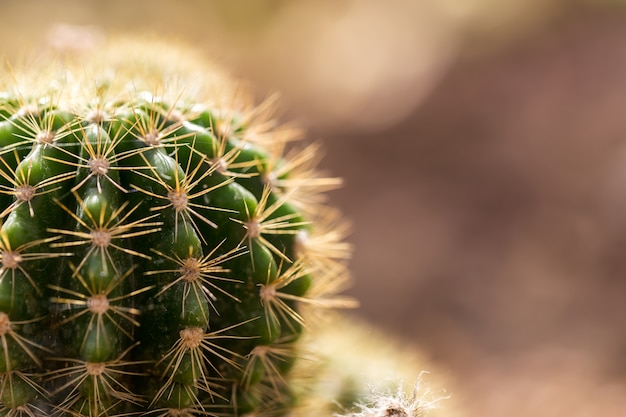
{"x": 483, "y": 147}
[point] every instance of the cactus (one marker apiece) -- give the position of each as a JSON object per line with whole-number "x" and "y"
{"x": 163, "y": 246}
{"x": 384, "y": 377}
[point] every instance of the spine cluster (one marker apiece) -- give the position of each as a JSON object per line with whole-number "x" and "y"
{"x": 157, "y": 258}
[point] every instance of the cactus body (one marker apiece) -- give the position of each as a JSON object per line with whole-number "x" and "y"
{"x": 156, "y": 250}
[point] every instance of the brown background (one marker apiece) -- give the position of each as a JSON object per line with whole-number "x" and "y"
{"x": 484, "y": 153}
{"x": 490, "y": 224}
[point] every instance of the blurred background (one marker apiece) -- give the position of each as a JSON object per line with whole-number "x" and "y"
{"x": 483, "y": 146}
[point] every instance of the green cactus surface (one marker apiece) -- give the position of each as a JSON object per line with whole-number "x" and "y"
{"x": 163, "y": 245}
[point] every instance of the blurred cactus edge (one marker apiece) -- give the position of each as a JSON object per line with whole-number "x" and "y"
{"x": 167, "y": 250}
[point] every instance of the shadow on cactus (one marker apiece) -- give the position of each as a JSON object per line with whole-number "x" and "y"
{"x": 160, "y": 241}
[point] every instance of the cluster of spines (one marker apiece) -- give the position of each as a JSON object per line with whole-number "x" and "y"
{"x": 153, "y": 262}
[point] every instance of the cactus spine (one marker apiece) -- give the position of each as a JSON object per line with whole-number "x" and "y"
{"x": 158, "y": 248}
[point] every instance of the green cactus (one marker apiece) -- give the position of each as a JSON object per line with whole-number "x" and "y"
{"x": 159, "y": 244}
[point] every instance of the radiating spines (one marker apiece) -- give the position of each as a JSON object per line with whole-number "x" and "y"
{"x": 22, "y": 396}
{"x": 96, "y": 388}
{"x": 21, "y": 360}
{"x": 96, "y": 159}
{"x": 43, "y": 129}
{"x": 171, "y": 250}
{"x": 110, "y": 303}
{"x": 294, "y": 172}
{"x": 102, "y": 231}
{"x": 181, "y": 192}
{"x": 150, "y": 121}
{"x": 38, "y": 177}
{"x": 266, "y": 365}
{"x": 39, "y": 120}
{"x": 93, "y": 298}
{"x": 198, "y": 276}
{"x": 19, "y": 348}
{"x": 189, "y": 361}
{"x": 25, "y": 184}
{"x": 269, "y": 219}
